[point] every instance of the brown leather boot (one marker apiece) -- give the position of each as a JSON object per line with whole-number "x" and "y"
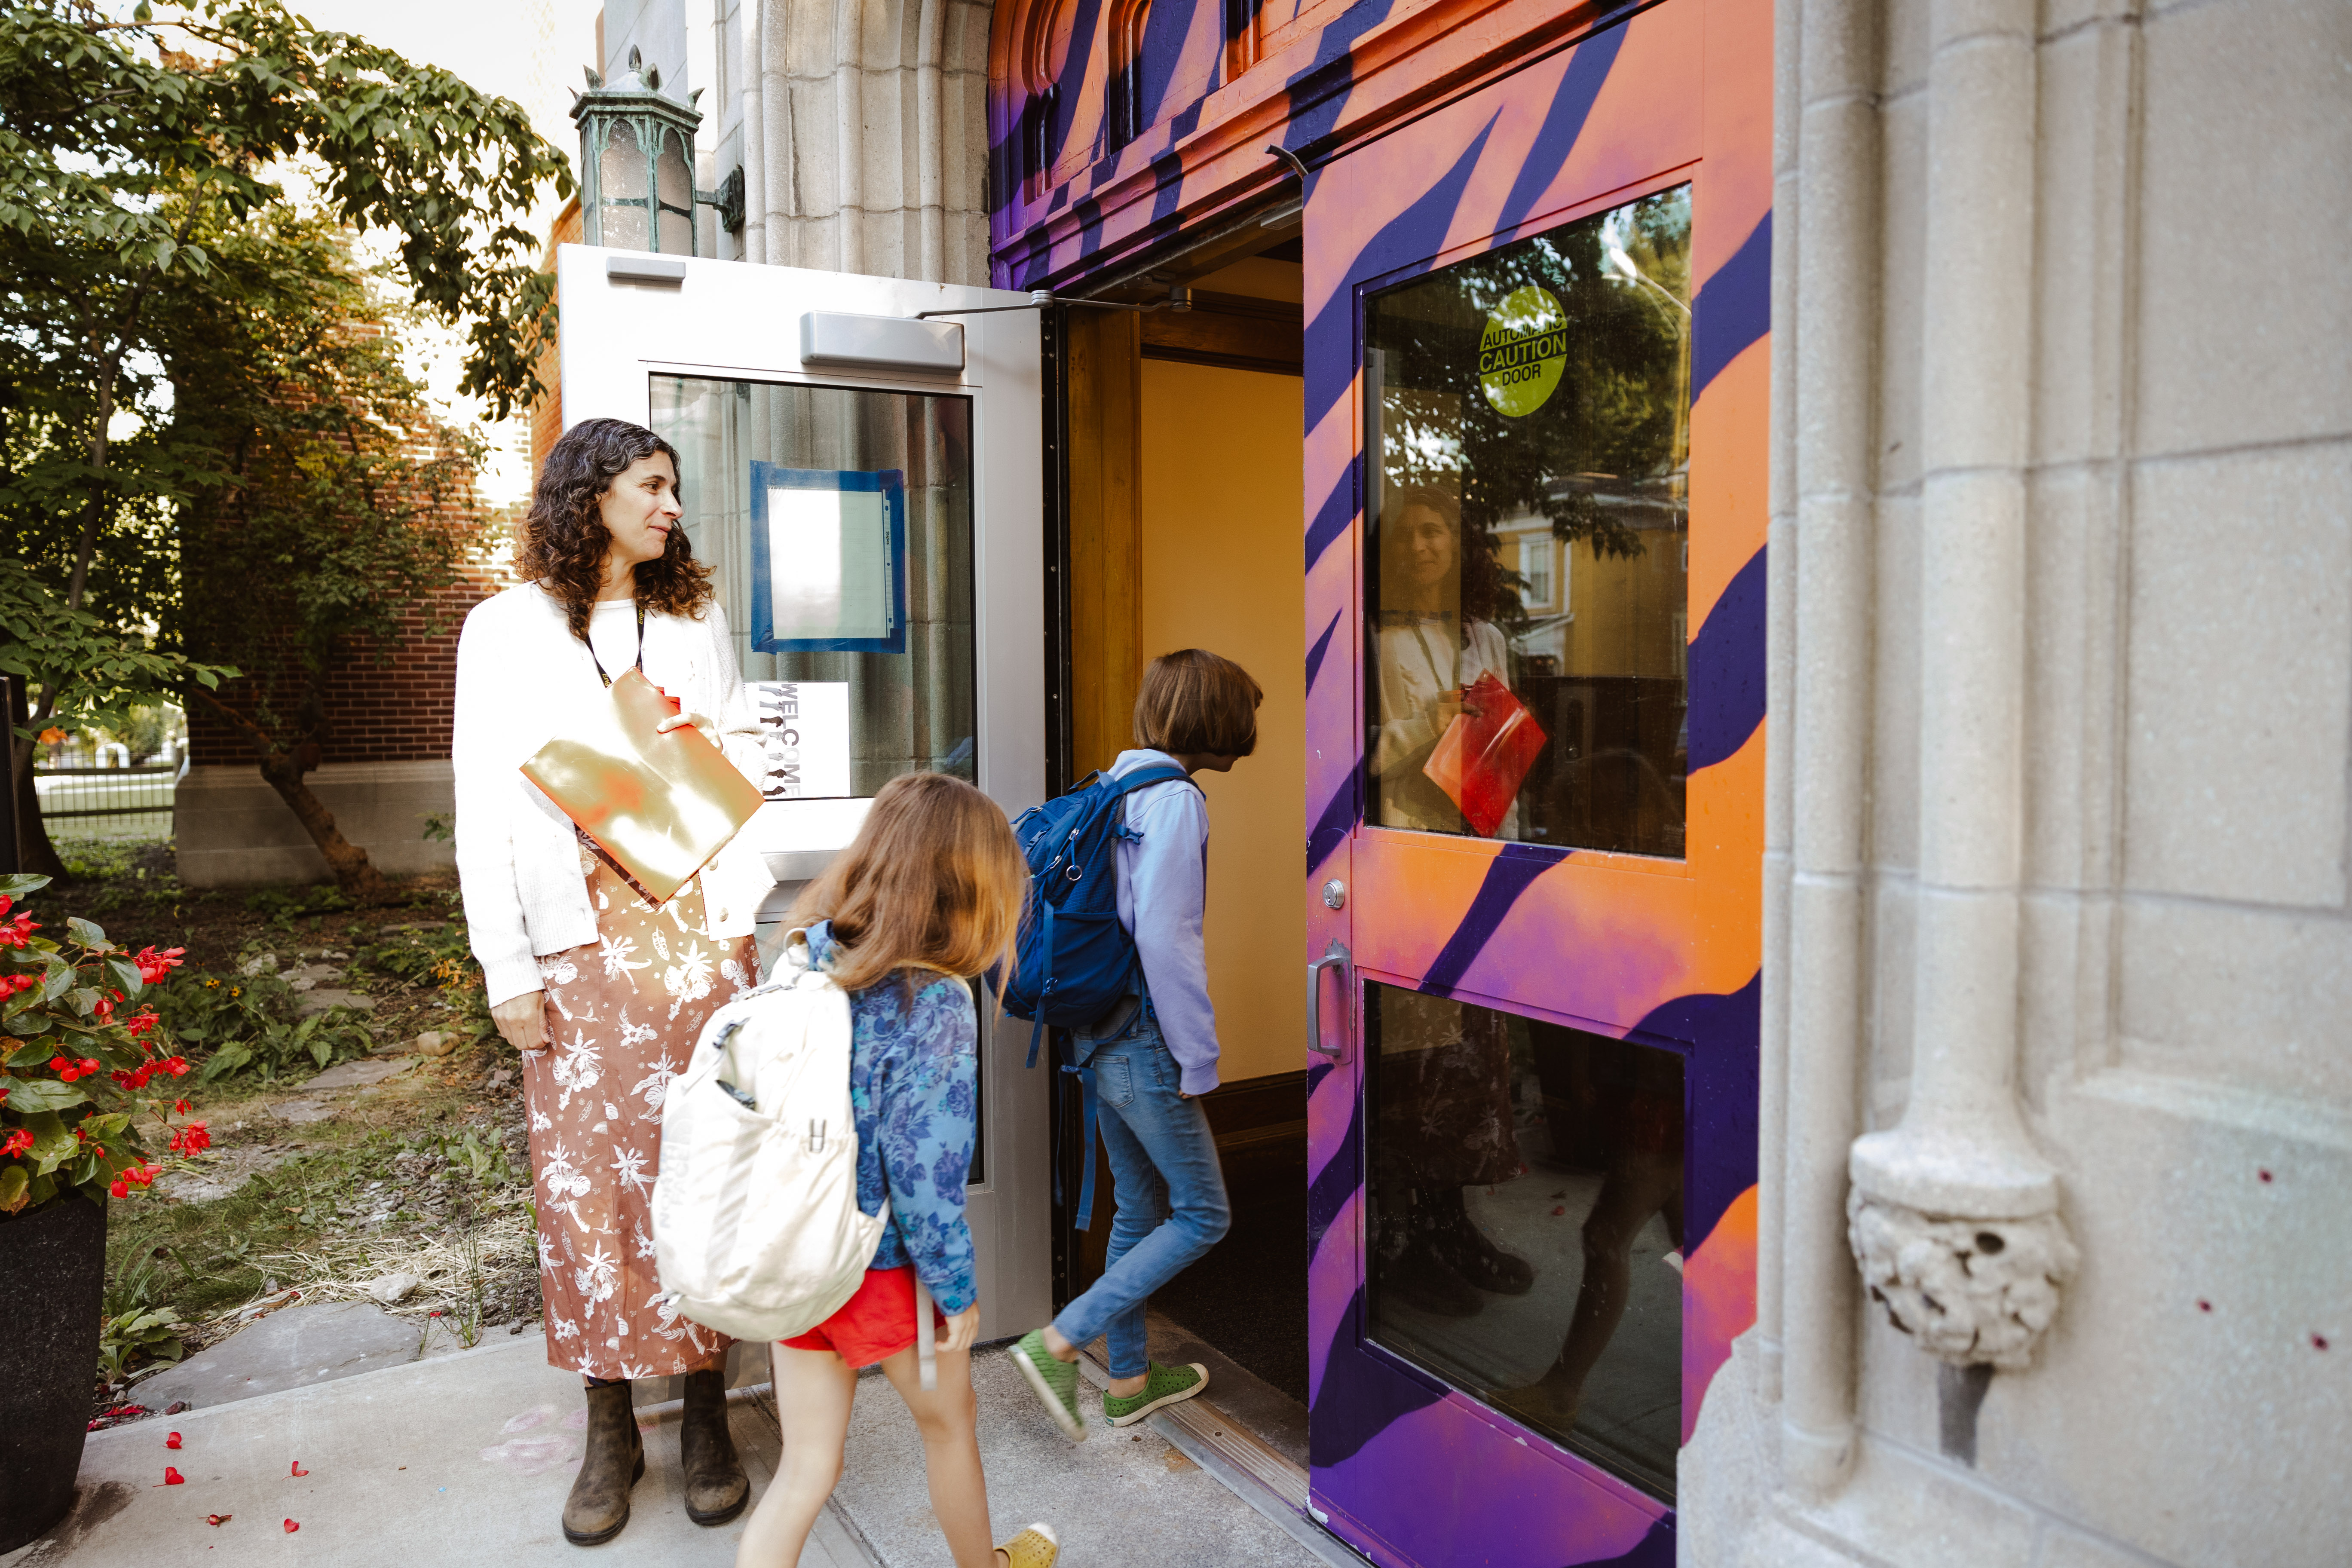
{"x": 715, "y": 1485}
{"x": 599, "y": 1504}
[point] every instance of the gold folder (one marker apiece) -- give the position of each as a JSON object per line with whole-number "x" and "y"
{"x": 656, "y": 807}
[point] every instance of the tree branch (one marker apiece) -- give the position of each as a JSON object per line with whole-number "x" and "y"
{"x": 260, "y": 736}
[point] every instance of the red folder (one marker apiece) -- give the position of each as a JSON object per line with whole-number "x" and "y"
{"x": 1486, "y": 753}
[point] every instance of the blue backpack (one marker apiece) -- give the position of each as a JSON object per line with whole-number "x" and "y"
{"x": 1073, "y": 960}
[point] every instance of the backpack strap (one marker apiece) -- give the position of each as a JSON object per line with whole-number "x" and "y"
{"x": 1158, "y": 773}
{"x": 1037, "y": 1030}
{"x": 1090, "y": 1118}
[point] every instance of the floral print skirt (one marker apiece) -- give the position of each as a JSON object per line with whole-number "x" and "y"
{"x": 623, "y": 1015}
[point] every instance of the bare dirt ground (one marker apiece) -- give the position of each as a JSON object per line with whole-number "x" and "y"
{"x": 395, "y": 1175}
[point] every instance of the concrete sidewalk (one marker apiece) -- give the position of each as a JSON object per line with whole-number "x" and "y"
{"x": 1125, "y": 1496}
{"x": 465, "y": 1458}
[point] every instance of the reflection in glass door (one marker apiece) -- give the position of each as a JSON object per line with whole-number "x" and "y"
{"x": 866, "y": 495}
{"x": 1524, "y": 1233}
{"x": 1528, "y": 420}
{"x": 837, "y": 522}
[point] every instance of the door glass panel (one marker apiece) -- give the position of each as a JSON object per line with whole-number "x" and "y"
{"x": 1526, "y": 1220}
{"x": 1528, "y": 442}
{"x": 858, "y": 503}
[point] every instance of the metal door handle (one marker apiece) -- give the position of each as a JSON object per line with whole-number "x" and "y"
{"x": 1336, "y": 954}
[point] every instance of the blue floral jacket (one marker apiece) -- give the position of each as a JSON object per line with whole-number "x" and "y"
{"x": 914, "y": 1082}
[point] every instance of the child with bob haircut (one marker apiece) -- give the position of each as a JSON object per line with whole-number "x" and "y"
{"x": 1151, "y": 1056}
{"x": 927, "y": 895}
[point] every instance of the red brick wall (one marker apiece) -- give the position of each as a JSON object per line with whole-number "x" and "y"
{"x": 377, "y": 713}
{"x": 547, "y": 414}
{"x": 401, "y": 713}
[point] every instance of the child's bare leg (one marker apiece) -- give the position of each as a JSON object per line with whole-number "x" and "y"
{"x": 948, "y": 1419}
{"x": 813, "y": 1393}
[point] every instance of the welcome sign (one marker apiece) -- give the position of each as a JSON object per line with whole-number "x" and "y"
{"x": 805, "y": 737}
{"x": 1523, "y": 351}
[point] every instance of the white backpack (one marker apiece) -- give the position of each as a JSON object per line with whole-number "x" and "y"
{"x": 757, "y": 1231}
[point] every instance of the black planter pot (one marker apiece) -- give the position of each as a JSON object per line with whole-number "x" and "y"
{"x": 54, "y": 1260}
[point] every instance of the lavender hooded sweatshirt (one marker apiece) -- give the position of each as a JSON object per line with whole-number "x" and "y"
{"x": 1164, "y": 888}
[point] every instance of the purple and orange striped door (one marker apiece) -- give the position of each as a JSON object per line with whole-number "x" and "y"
{"x": 1537, "y": 364}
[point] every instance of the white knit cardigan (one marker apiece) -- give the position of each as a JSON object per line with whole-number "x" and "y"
{"x": 520, "y": 673}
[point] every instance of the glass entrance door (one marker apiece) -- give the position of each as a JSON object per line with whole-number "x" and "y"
{"x": 864, "y": 485}
{"x": 1537, "y": 411}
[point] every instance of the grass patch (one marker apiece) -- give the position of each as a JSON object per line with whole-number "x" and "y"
{"x": 139, "y": 875}
{"x": 379, "y": 1189}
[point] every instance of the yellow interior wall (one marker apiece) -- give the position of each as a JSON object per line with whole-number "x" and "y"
{"x": 1223, "y": 570}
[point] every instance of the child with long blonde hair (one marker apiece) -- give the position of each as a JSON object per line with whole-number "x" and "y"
{"x": 927, "y": 896}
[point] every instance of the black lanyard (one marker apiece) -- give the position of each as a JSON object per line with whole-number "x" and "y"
{"x": 641, "y": 649}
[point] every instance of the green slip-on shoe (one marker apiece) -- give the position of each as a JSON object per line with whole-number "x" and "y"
{"x": 1162, "y": 1385}
{"x": 1056, "y": 1383}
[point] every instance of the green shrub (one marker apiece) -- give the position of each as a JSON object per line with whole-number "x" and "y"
{"x": 143, "y": 1335}
{"x": 248, "y": 1024}
{"x": 439, "y": 956}
{"x": 283, "y": 905}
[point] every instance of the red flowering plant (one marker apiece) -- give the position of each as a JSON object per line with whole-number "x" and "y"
{"x": 81, "y": 1058}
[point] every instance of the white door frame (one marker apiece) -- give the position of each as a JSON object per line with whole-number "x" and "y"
{"x": 741, "y": 322}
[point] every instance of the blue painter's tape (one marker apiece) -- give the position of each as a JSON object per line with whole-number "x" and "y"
{"x": 891, "y": 484}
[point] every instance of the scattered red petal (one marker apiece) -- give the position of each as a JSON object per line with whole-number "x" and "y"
{"x": 1560, "y": 1209}
{"x": 173, "y": 1441}
{"x": 2319, "y": 1342}
{"x": 299, "y": 1469}
{"x": 217, "y": 1519}
{"x": 291, "y": 1527}
{"x": 2203, "y": 1305}
{"x": 173, "y": 1477}
{"x": 2265, "y": 1175}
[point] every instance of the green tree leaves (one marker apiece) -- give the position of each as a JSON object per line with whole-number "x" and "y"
{"x": 144, "y": 202}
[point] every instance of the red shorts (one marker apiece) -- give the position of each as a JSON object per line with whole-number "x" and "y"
{"x": 873, "y": 1325}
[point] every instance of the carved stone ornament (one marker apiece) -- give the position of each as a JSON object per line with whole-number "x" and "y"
{"x": 1970, "y": 1291}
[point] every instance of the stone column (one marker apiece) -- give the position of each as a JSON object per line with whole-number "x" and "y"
{"x": 1836, "y": 292}
{"x": 1953, "y": 1214}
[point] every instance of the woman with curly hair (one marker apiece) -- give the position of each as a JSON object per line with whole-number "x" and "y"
{"x": 603, "y": 995}
{"x": 1435, "y": 634}
{"x": 1443, "y": 1084}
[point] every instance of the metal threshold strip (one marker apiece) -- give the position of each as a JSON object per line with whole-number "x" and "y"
{"x": 1268, "y": 1481}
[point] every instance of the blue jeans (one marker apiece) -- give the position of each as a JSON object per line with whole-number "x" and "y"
{"x": 1169, "y": 1192}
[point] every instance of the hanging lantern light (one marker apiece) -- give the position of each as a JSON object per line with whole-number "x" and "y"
{"x": 636, "y": 162}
